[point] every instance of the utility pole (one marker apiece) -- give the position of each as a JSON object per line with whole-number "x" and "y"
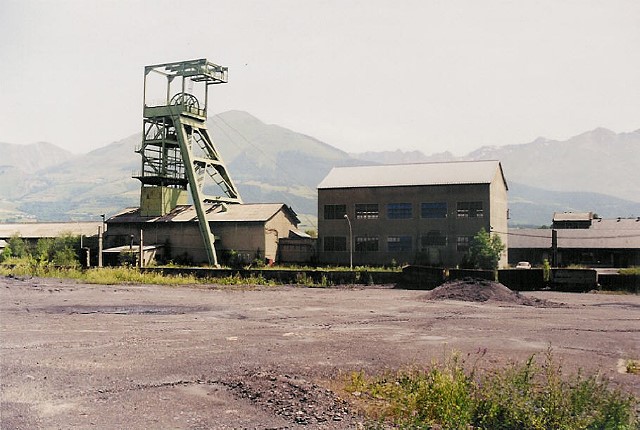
{"x": 350, "y": 242}
{"x": 554, "y": 248}
{"x": 99, "y": 246}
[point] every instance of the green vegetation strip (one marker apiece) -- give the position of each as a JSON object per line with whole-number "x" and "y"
{"x": 119, "y": 275}
{"x": 521, "y": 396}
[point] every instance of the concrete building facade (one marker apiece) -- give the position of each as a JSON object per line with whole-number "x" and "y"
{"x": 423, "y": 213}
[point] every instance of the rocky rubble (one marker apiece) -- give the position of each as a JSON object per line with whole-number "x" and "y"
{"x": 294, "y": 399}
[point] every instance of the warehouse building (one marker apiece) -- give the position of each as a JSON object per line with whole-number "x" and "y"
{"x": 581, "y": 239}
{"x": 243, "y": 232}
{"x": 424, "y": 213}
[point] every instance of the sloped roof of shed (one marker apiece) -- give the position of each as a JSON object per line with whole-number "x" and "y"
{"x": 599, "y": 238}
{"x": 572, "y": 216}
{"x": 389, "y": 175}
{"x": 251, "y": 212}
{"x": 49, "y": 229}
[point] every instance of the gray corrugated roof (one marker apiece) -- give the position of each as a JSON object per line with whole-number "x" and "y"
{"x": 49, "y": 229}
{"x": 459, "y": 172}
{"x": 599, "y": 238}
{"x": 250, "y": 212}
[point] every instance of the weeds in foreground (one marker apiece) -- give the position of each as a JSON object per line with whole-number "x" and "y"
{"x": 630, "y": 271}
{"x": 123, "y": 275}
{"x": 520, "y": 396}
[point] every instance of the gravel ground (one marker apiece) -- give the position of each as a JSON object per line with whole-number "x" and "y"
{"x": 138, "y": 357}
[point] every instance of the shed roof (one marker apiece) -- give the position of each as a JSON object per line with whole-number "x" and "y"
{"x": 572, "y": 216}
{"x": 448, "y": 173}
{"x": 592, "y": 238}
{"x": 49, "y": 229}
{"x": 250, "y": 212}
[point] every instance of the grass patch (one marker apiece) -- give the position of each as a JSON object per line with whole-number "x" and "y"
{"x": 529, "y": 395}
{"x": 630, "y": 271}
{"x": 119, "y": 275}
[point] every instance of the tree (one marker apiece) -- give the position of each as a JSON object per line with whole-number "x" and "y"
{"x": 60, "y": 251}
{"x": 485, "y": 250}
{"x": 16, "y": 247}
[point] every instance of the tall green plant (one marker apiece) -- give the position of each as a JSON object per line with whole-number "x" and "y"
{"x": 16, "y": 247}
{"x": 485, "y": 250}
{"x": 60, "y": 251}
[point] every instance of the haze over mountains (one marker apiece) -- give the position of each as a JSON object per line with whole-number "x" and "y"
{"x": 596, "y": 171}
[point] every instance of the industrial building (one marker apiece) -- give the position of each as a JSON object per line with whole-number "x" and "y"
{"x": 243, "y": 232}
{"x": 424, "y": 213}
{"x": 581, "y": 239}
{"x": 179, "y": 160}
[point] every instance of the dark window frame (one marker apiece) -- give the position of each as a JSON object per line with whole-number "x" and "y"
{"x": 400, "y": 243}
{"x": 434, "y": 238}
{"x": 463, "y": 243}
{"x": 335, "y": 211}
{"x": 470, "y": 209}
{"x": 367, "y": 244}
{"x": 433, "y": 210}
{"x": 399, "y": 210}
{"x": 367, "y": 211}
{"x": 334, "y": 243}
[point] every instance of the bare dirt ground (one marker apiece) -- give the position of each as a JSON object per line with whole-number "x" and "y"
{"x": 138, "y": 357}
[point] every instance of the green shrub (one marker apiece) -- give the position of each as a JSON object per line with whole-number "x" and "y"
{"x": 484, "y": 251}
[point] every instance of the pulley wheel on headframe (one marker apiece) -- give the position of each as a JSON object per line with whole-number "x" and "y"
{"x": 185, "y": 99}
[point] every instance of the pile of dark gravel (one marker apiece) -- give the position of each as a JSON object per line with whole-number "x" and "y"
{"x": 482, "y": 290}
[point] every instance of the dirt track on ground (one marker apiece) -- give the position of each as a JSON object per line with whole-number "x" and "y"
{"x": 137, "y": 357}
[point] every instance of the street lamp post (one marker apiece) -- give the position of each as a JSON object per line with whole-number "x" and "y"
{"x": 100, "y": 241}
{"x": 350, "y": 242}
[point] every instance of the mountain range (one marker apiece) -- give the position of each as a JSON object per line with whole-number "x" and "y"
{"x": 595, "y": 171}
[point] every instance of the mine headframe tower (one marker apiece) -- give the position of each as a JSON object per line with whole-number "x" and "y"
{"x": 177, "y": 149}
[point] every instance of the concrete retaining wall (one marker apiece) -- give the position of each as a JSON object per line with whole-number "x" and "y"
{"x": 522, "y": 280}
{"x": 576, "y": 280}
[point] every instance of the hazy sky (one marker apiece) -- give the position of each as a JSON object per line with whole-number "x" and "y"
{"x": 359, "y": 75}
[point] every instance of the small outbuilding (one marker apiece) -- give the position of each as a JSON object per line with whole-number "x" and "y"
{"x": 243, "y": 232}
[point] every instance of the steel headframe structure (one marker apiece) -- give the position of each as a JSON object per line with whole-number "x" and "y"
{"x": 176, "y": 147}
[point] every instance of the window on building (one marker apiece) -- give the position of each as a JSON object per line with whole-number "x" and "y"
{"x": 366, "y": 243}
{"x": 470, "y": 210}
{"x": 463, "y": 243}
{"x": 335, "y": 243}
{"x": 433, "y": 210}
{"x": 399, "y": 211}
{"x": 399, "y": 243}
{"x": 335, "y": 211}
{"x": 433, "y": 238}
{"x": 367, "y": 211}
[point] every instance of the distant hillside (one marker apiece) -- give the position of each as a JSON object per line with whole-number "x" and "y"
{"x": 596, "y": 171}
{"x": 531, "y": 206}
{"x": 32, "y": 157}
{"x": 599, "y": 161}
{"x": 272, "y": 163}
{"x": 268, "y": 163}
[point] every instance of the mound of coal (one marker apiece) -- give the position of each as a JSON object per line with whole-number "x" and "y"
{"x": 480, "y": 290}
